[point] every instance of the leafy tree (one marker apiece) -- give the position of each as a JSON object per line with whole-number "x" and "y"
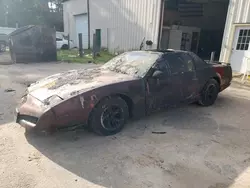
{"x": 27, "y": 12}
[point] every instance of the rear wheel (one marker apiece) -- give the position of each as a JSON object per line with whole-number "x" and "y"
{"x": 209, "y": 93}
{"x": 109, "y": 116}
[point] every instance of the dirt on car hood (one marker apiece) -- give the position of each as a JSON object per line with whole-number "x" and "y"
{"x": 74, "y": 82}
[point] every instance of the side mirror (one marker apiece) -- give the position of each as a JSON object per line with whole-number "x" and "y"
{"x": 157, "y": 74}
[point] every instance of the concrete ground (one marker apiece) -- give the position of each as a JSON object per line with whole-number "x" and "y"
{"x": 5, "y": 58}
{"x": 202, "y": 147}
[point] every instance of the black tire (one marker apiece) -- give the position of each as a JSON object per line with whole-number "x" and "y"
{"x": 209, "y": 93}
{"x": 65, "y": 47}
{"x": 109, "y": 116}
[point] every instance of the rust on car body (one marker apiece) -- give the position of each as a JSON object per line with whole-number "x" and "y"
{"x": 145, "y": 80}
{"x": 67, "y": 98}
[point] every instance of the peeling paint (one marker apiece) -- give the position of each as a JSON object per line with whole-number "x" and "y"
{"x": 93, "y": 100}
{"x": 82, "y": 101}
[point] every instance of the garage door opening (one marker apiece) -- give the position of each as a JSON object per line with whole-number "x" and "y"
{"x": 194, "y": 25}
{"x": 81, "y": 24}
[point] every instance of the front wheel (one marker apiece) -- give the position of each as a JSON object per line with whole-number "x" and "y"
{"x": 209, "y": 93}
{"x": 109, "y": 116}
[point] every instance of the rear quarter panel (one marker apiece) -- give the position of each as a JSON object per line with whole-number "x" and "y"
{"x": 224, "y": 72}
{"x": 204, "y": 74}
{"x": 205, "y": 71}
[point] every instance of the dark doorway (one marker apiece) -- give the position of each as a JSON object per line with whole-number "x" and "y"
{"x": 195, "y": 42}
{"x": 200, "y": 23}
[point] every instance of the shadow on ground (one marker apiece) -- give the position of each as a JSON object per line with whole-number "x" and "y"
{"x": 199, "y": 143}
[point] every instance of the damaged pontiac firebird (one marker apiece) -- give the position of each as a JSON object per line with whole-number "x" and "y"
{"x": 131, "y": 85}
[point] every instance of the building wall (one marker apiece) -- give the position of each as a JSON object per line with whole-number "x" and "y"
{"x": 238, "y": 13}
{"x": 124, "y": 23}
{"x": 72, "y": 8}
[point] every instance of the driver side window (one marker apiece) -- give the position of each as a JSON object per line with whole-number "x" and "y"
{"x": 163, "y": 67}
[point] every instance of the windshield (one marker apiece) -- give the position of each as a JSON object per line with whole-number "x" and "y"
{"x": 135, "y": 63}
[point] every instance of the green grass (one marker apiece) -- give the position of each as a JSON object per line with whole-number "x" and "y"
{"x": 72, "y": 56}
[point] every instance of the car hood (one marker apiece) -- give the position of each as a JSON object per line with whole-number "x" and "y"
{"x": 68, "y": 84}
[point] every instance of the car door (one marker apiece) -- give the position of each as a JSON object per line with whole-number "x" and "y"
{"x": 190, "y": 80}
{"x": 163, "y": 90}
{"x": 182, "y": 65}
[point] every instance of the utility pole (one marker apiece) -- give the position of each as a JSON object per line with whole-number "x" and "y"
{"x": 88, "y": 24}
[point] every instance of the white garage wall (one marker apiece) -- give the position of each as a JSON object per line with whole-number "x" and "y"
{"x": 238, "y": 13}
{"x": 124, "y": 23}
{"x": 71, "y": 9}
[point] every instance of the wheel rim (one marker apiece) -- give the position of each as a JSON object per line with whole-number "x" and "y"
{"x": 112, "y": 118}
{"x": 211, "y": 93}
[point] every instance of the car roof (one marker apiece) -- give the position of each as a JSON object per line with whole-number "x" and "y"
{"x": 168, "y": 51}
{"x": 160, "y": 52}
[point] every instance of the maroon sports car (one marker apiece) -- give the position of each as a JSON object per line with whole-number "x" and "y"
{"x": 133, "y": 84}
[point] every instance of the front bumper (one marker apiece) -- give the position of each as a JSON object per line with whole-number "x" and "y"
{"x": 28, "y": 122}
{"x": 31, "y": 113}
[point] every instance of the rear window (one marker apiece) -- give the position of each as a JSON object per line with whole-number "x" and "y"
{"x": 189, "y": 61}
{"x": 176, "y": 63}
{"x": 199, "y": 63}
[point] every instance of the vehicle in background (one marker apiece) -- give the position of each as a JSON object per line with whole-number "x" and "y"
{"x": 62, "y": 42}
{"x": 4, "y": 38}
{"x": 133, "y": 84}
